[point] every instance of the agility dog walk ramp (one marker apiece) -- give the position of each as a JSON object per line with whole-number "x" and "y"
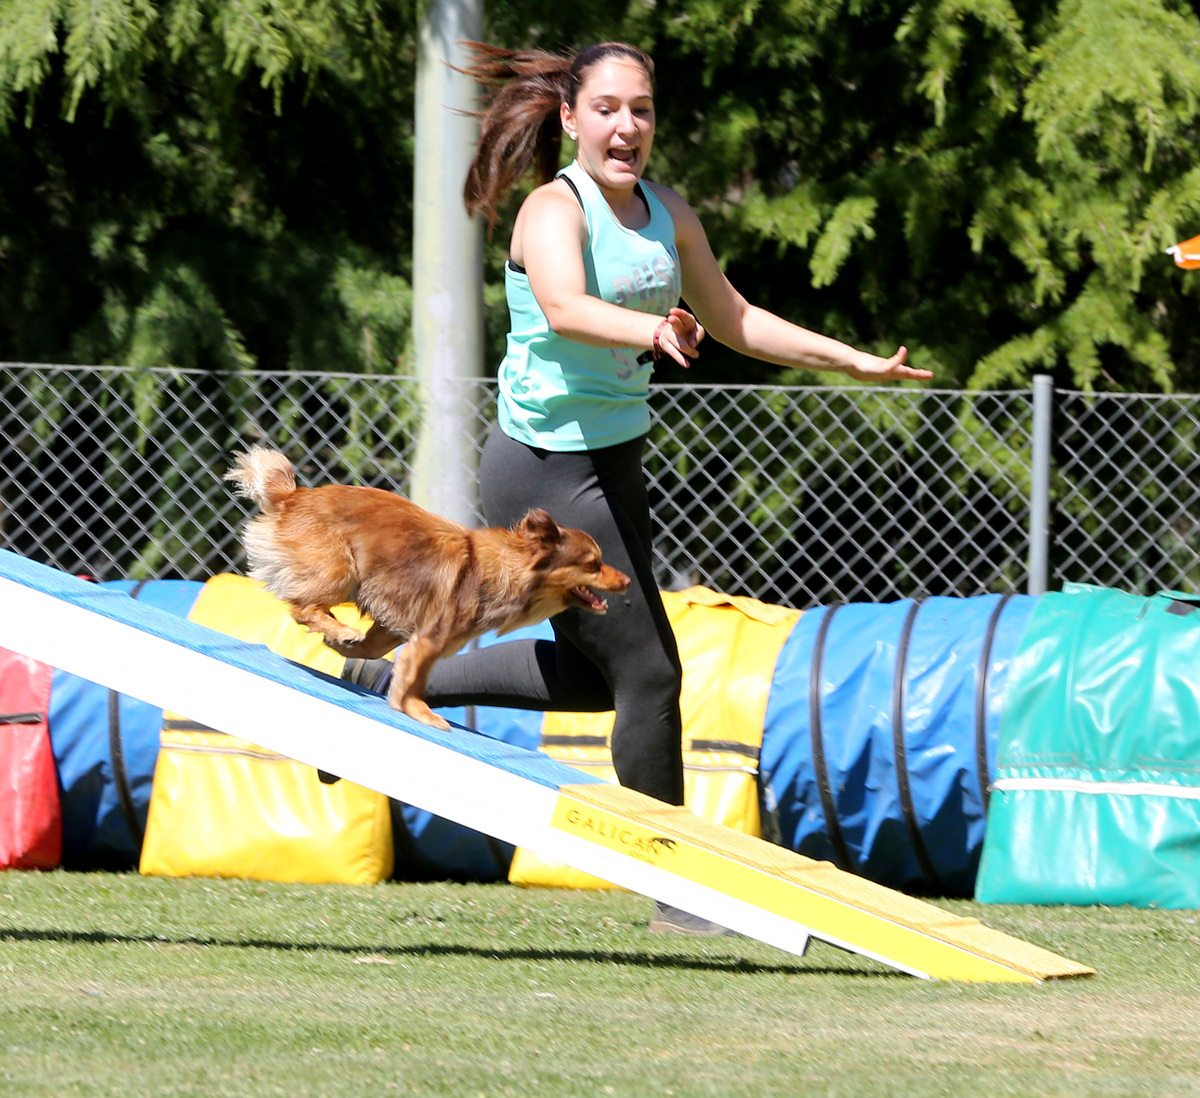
{"x": 518, "y": 796}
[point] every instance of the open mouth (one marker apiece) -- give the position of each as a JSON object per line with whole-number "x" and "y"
{"x": 589, "y": 600}
{"x": 627, "y": 156}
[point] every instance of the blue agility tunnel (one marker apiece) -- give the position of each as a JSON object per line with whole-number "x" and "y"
{"x": 106, "y": 744}
{"x": 880, "y": 736}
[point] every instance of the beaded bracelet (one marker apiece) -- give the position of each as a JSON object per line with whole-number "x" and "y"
{"x": 658, "y": 337}
{"x": 657, "y": 352}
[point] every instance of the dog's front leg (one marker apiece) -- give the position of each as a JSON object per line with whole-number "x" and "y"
{"x": 374, "y": 644}
{"x": 342, "y": 638}
{"x": 412, "y": 666}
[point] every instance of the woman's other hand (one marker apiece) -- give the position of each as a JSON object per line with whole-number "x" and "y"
{"x": 867, "y": 367}
{"x": 682, "y": 335}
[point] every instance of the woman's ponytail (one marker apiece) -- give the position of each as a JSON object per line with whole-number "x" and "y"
{"x": 519, "y": 125}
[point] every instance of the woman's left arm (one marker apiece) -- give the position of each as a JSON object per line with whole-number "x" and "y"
{"x": 731, "y": 319}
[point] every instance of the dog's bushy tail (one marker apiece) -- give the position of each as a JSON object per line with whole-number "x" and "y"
{"x": 263, "y": 475}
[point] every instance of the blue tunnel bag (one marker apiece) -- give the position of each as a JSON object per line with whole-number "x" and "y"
{"x": 881, "y": 733}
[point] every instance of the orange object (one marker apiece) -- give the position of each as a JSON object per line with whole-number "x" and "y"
{"x": 1187, "y": 254}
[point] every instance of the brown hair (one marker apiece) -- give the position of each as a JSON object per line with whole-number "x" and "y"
{"x": 519, "y": 124}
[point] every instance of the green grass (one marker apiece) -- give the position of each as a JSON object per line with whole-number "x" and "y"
{"x": 115, "y": 984}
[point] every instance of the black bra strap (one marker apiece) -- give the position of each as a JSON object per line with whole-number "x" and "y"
{"x": 578, "y": 198}
{"x": 575, "y": 190}
{"x": 637, "y": 189}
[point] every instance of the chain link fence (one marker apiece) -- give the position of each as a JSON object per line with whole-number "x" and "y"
{"x": 795, "y": 495}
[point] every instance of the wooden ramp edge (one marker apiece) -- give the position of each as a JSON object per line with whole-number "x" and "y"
{"x": 517, "y": 796}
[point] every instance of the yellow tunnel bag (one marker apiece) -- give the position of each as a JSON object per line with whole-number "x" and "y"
{"x": 223, "y": 807}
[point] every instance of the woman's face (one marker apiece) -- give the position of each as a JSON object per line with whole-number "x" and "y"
{"x": 612, "y": 122}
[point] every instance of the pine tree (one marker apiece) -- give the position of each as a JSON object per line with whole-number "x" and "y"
{"x": 992, "y": 182}
{"x": 205, "y": 183}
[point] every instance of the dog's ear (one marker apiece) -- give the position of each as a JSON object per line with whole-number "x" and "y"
{"x": 538, "y": 526}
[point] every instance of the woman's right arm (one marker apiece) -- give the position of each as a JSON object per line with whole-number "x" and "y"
{"x": 548, "y": 241}
{"x": 754, "y": 331}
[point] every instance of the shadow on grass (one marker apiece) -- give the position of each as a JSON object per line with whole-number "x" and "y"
{"x": 622, "y": 957}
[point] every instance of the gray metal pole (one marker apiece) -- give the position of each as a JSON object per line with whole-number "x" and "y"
{"x": 1039, "y": 489}
{"x": 447, "y": 265}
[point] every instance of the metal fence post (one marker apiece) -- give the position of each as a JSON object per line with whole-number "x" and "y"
{"x": 1039, "y": 486}
{"x": 447, "y": 264}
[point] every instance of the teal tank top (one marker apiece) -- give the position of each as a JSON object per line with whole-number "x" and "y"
{"x": 560, "y": 395}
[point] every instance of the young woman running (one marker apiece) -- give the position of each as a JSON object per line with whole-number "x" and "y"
{"x": 598, "y": 261}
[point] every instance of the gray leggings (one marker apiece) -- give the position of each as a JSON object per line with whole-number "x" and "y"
{"x": 624, "y": 660}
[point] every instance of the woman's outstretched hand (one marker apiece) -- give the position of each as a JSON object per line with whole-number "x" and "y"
{"x": 681, "y": 336}
{"x": 865, "y": 367}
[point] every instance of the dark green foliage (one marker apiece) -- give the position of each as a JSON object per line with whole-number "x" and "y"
{"x": 204, "y": 183}
{"x": 992, "y": 182}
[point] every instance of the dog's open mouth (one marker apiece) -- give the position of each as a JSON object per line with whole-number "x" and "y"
{"x": 589, "y": 600}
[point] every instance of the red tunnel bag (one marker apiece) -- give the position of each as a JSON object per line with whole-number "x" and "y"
{"x": 30, "y": 817}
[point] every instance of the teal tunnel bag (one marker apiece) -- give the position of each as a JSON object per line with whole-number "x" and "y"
{"x": 1097, "y": 789}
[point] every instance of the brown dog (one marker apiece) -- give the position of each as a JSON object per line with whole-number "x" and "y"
{"x": 422, "y": 579}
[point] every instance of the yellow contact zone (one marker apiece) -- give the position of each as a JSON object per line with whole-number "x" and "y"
{"x": 676, "y": 841}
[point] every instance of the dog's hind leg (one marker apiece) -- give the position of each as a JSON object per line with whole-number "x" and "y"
{"x": 412, "y": 666}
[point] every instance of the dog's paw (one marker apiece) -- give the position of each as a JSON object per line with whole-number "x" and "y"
{"x": 350, "y": 648}
{"x": 419, "y": 711}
